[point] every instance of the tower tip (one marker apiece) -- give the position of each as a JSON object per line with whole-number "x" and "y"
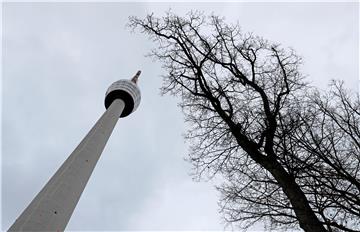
{"x": 136, "y": 77}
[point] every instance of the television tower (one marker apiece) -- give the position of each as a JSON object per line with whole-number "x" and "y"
{"x": 53, "y": 206}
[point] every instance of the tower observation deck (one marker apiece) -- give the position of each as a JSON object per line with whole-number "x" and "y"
{"x": 53, "y": 206}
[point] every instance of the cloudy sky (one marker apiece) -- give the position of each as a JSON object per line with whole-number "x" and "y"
{"x": 58, "y": 60}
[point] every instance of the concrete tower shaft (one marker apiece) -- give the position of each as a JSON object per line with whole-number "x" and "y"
{"x": 53, "y": 206}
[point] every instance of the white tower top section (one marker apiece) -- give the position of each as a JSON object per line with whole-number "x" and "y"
{"x": 126, "y": 90}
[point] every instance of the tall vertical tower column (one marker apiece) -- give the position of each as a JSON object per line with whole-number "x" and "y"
{"x": 53, "y": 206}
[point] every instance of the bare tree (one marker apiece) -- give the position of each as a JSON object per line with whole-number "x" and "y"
{"x": 288, "y": 156}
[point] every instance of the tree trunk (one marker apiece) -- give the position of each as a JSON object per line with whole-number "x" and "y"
{"x": 307, "y": 219}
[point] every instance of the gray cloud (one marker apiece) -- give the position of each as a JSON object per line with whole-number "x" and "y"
{"x": 59, "y": 59}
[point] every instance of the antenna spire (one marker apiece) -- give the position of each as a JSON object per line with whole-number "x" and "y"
{"x": 136, "y": 77}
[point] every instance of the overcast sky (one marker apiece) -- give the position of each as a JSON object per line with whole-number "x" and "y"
{"x": 58, "y": 61}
